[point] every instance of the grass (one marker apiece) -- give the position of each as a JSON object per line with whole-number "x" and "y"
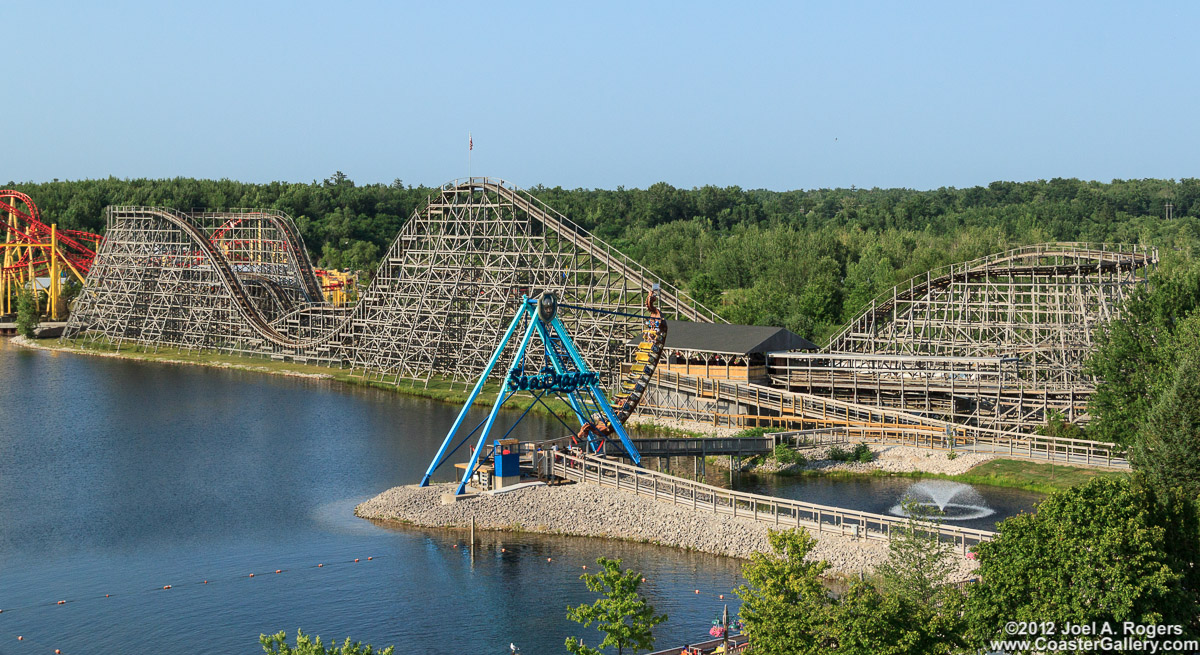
{"x": 437, "y": 388}
{"x": 1034, "y": 476}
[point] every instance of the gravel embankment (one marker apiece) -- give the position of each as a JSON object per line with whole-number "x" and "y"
{"x": 588, "y": 510}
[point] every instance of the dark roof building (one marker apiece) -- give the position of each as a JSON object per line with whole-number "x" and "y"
{"x": 730, "y": 339}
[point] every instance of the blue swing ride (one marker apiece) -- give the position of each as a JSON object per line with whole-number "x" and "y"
{"x": 565, "y": 375}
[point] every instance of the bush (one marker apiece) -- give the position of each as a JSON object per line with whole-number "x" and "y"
{"x": 277, "y": 645}
{"x": 785, "y": 455}
{"x": 27, "y": 313}
{"x": 839, "y": 454}
{"x": 754, "y": 432}
{"x": 1111, "y": 550}
{"x": 951, "y": 455}
{"x": 862, "y": 453}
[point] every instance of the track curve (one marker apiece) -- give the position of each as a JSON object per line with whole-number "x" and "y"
{"x": 1042, "y": 260}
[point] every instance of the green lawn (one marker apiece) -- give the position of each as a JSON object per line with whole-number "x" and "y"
{"x": 1034, "y": 476}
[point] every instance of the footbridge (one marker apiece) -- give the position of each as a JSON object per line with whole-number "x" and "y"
{"x": 697, "y": 447}
{"x": 777, "y": 512}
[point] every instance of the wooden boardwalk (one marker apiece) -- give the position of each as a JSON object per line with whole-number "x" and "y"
{"x": 871, "y": 423}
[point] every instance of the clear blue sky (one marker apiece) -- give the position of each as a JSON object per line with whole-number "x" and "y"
{"x": 761, "y": 95}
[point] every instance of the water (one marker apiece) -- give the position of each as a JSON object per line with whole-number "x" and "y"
{"x": 121, "y": 477}
{"x": 980, "y": 507}
{"x": 951, "y": 501}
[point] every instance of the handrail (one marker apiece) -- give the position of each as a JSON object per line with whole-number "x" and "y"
{"x": 654, "y": 446}
{"x": 782, "y": 512}
{"x": 878, "y": 420}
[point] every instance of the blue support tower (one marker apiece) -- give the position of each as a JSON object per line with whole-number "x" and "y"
{"x": 566, "y": 375}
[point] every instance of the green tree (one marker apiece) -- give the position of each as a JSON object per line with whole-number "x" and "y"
{"x": 1168, "y": 445}
{"x": 913, "y": 607}
{"x": 28, "y": 317}
{"x": 785, "y": 608}
{"x": 1133, "y": 358}
{"x": 625, "y": 618}
{"x": 277, "y": 645}
{"x": 1111, "y": 550}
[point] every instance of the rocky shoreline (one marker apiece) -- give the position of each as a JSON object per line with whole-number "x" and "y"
{"x": 591, "y": 511}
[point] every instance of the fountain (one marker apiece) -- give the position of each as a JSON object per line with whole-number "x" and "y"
{"x": 954, "y": 501}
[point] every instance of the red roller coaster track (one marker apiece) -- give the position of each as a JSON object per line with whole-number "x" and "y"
{"x": 24, "y": 227}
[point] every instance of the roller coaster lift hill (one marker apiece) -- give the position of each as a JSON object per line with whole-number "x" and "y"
{"x": 564, "y": 375}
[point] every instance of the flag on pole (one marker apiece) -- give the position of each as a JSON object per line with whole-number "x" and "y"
{"x": 470, "y": 142}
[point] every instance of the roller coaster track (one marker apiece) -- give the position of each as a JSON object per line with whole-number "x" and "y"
{"x": 234, "y": 285}
{"x": 594, "y": 246}
{"x": 623, "y": 274}
{"x": 888, "y": 424}
{"x": 294, "y": 245}
{"x": 1038, "y": 261}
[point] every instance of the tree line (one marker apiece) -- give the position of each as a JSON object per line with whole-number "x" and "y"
{"x": 806, "y": 260}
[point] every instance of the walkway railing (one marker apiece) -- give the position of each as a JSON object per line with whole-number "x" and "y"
{"x": 696, "y": 446}
{"x": 869, "y": 423}
{"x": 779, "y": 512}
{"x": 1032, "y": 446}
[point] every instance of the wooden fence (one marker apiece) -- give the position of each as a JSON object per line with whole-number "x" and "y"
{"x": 868, "y": 423}
{"x": 779, "y": 512}
{"x": 1030, "y": 446}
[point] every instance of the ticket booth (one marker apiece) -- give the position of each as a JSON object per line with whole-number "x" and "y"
{"x": 507, "y": 461}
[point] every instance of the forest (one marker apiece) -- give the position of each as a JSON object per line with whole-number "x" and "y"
{"x": 806, "y": 260}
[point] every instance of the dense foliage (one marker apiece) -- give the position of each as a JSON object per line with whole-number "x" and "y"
{"x": 910, "y": 609}
{"x": 806, "y": 260}
{"x": 1111, "y": 550}
{"x": 621, "y": 613}
{"x": 785, "y": 608}
{"x": 28, "y": 317}
{"x": 276, "y": 644}
{"x": 1136, "y": 357}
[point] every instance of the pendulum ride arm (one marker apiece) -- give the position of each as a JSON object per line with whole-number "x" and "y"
{"x": 649, "y": 352}
{"x": 596, "y": 392}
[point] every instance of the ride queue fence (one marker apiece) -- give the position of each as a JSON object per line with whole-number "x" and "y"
{"x": 885, "y": 425}
{"x": 780, "y": 512}
{"x": 1028, "y": 446}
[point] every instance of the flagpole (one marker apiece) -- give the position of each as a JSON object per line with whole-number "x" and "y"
{"x": 470, "y": 150}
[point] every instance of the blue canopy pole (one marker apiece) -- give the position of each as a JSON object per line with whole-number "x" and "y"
{"x": 437, "y": 459}
{"x": 487, "y": 427}
{"x": 597, "y": 392}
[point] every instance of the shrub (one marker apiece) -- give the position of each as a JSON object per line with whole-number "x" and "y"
{"x": 862, "y": 453}
{"x": 839, "y": 454}
{"x": 785, "y": 455}
{"x": 305, "y": 645}
{"x": 951, "y": 455}
{"x": 27, "y": 313}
